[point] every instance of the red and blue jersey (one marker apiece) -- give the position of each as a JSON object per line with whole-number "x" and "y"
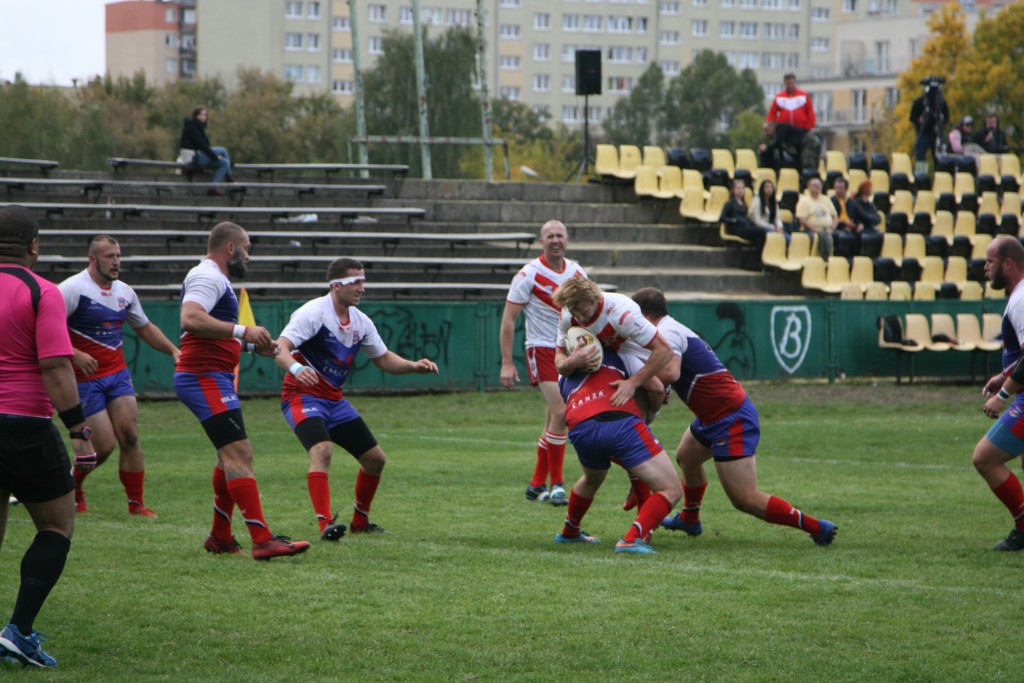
{"x": 1013, "y": 328}
{"x": 96, "y": 316}
{"x": 328, "y": 346}
{"x": 705, "y": 385}
{"x": 210, "y": 288}
{"x": 587, "y": 395}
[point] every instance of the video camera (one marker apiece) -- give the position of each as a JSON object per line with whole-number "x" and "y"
{"x": 932, "y": 82}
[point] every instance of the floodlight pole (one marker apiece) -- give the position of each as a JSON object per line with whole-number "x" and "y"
{"x": 421, "y": 91}
{"x": 584, "y": 165}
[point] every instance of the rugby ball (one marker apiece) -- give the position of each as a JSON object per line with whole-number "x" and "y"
{"x": 577, "y": 336}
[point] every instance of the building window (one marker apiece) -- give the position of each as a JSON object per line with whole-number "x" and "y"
{"x": 313, "y": 42}
{"x": 460, "y": 17}
{"x": 171, "y": 15}
{"x": 188, "y": 42}
{"x": 171, "y": 65}
{"x": 341, "y": 24}
{"x": 821, "y": 15}
{"x": 376, "y": 14}
{"x": 343, "y": 87}
{"x": 728, "y": 4}
{"x": 891, "y": 7}
{"x": 375, "y": 46}
{"x": 641, "y": 55}
{"x": 819, "y": 44}
{"x": 620, "y": 55}
{"x": 543, "y": 111}
{"x": 748, "y": 4}
{"x": 620, "y": 85}
{"x": 794, "y": 5}
{"x": 569, "y": 53}
{"x": 541, "y": 52}
{"x": 699, "y": 28}
{"x": 641, "y": 25}
{"x": 430, "y": 16}
{"x": 892, "y": 97}
{"x": 292, "y": 41}
{"x": 541, "y": 83}
{"x": 509, "y": 31}
{"x": 668, "y": 38}
{"x": 509, "y": 92}
{"x": 293, "y": 72}
{"x": 747, "y": 60}
{"x": 700, "y": 3}
{"x": 730, "y": 58}
{"x": 313, "y": 10}
{"x": 541, "y": 21}
{"x": 341, "y": 54}
{"x": 773, "y": 60}
{"x": 727, "y": 29}
{"x": 859, "y": 105}
{"x": 188, "y": 17}
{"x": 794, "y": 31}
{"x": 509, "y": 63}
{"x": 293, "y": 9}
{"x": 774, "y": 31}
{"x": 510, "y": 3}
{"x": 794, "y": 60}
{"x": 748, "y": 29}
{"x": 171, "y": 40}
{"x": 773, "y": 5}
{"x": 569, "y": 83}
{"x": 619, "y": 24}
{"x": 570, "y": 22}
{"x": 882, "y": 56}
{"x": 670, "y": 69}
{"x": 188, "y": 67}
{"x": 312, "y": 74}
{"x": 670, "y": 8}
{"x": 822, "y": 102}
{"x": 570, "y": 114}
{"x": 849, "y": 6}
{"x": 592, "y": 23}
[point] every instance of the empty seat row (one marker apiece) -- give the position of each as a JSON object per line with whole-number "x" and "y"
{"x": 941, "y": 333}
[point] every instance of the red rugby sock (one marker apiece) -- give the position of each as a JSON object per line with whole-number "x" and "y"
{"x": 320, "y": 493}
{"x": 1012, "y": 496}
{"x": 246, "y": 494}
{"x": 781, "y": 512}
{"x": 693, "y": 498}
{"x": 556, "y": 456}
{"x": 133, "y": 485}
{"x": 578, "y": 506}
{"x": 223, "y": 506}
{"x": 651, "y": 514}
{"x": 540, "y": 470}
{"x": 366, "y": 488}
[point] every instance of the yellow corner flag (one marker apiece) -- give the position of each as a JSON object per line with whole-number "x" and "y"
{"x": 246, "y": 318}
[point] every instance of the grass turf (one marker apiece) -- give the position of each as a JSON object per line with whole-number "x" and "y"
{"x": 468, "y": 585}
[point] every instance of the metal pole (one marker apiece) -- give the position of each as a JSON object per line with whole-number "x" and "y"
{"x": 421, "y": 90}
{"x": 485, "y": 96}
{"x": 357, "y": 64}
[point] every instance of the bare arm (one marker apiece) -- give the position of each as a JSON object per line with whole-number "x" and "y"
{"x": 393, "y": 364}
{"x": 283, "y": 357}
{"x": 59, "y": 380}
{"x": 154, "y": 336}
{"x": 195, "y": 320}
{"x": 509, "y": 375}
{"x": 581, "y": 357}
{"x": 661, "y": 354}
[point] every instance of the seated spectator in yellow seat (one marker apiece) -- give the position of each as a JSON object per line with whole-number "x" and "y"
{"x": 815, "y": 213}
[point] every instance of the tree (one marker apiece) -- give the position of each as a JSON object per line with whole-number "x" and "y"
{"x": 392, "y": 107}
{"x": 703, "y": 101}
{"x": 637, "y": 118}
{"x": 255, "y": 125}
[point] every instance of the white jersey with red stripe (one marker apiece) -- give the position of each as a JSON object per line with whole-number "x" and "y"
{"x": 533, "y": 287}
{"x": 705, "y": 385}
{"x": 323, "y": 343}
{"x": 96, "y": 316}
{"x": 617, "y": 324}
{"x": 211, "y": 289}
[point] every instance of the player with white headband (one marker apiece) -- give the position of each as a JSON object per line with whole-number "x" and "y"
{"x": 318, "y": 348}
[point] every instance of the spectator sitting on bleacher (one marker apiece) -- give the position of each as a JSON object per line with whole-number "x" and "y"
{"x": 196, "y": 149}
{"x": 991, "y": 138}
{"x": 847, "y": 230}
{"x": 790, "y": 121}
{"x": 816, "y": 214}
{"x": 736, "y": 216}
{"x": 864, "y": 214}
{"x": 961, "y": 134}
{"x": 764, "y": 210}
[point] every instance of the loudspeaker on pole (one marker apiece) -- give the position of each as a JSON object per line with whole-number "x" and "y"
{"x": 588, "y": 72}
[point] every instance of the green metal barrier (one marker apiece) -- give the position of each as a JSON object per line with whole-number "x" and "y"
{"x": 798, "y": 338}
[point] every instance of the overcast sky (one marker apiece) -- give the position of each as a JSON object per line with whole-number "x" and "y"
{"x": 52, "y": 41}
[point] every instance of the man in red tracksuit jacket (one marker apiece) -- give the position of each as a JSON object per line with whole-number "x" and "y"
{"x": 791, "y": 116}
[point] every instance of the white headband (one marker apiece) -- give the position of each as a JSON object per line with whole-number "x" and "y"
{"x": 351, "y": 279}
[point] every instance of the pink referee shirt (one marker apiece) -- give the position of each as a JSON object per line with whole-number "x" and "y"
{"x": 28, "y": 338}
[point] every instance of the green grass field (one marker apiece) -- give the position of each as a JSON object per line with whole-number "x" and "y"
{"x": 468, "y": 586}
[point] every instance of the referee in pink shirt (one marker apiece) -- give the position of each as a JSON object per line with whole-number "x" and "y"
{"x": 35, "y": 377}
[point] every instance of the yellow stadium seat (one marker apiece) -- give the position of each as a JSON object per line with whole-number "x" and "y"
{"x": 653, "y": 156}
{"x": 606, "y": 161}
{"x": 893, "y": 337}
{"x": 917, "y": 328}
{"x": 670, "y": 180}
{"x": 645, "y": 183}
{"x": 813, "y": 276}
{"x": 876, "y": 291}
{"x": 717, "y": 197}
{"x": 722, "y": 158}
{"x": 943, "y": 226}
{"x": 900, "y": 291}
{"x": 629, "y": 161}
{"x": 774, "y": 253}
{"x": 851, "y": 292}
{"x": 862, "y": 272}
{"x": 971, "y": 291}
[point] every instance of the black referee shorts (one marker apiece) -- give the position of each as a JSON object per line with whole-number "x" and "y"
{"x": 34, "y": 464}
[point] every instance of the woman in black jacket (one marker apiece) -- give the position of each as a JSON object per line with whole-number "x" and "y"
{"x": 736, "y": 216}
{"x": 195, "y": 146}
{"x": 866, "y": 219}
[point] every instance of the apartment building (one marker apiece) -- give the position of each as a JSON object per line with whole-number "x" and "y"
{"x": 847, "y": 53}
{"x": 158, "y": 38}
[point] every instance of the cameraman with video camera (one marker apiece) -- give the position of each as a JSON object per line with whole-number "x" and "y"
{"x": 929, "y": 114}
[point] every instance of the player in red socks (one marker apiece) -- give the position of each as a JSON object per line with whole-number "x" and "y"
{"x": 318, "y": 349}
{"x": 601, "y": 433}
{"x": 530, "y": 292}
{"x": 726, "y": 428}
{"x": 1004, "y": 266}
{"x": 98, "y": 304}
{"x": 211, "y": 344}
